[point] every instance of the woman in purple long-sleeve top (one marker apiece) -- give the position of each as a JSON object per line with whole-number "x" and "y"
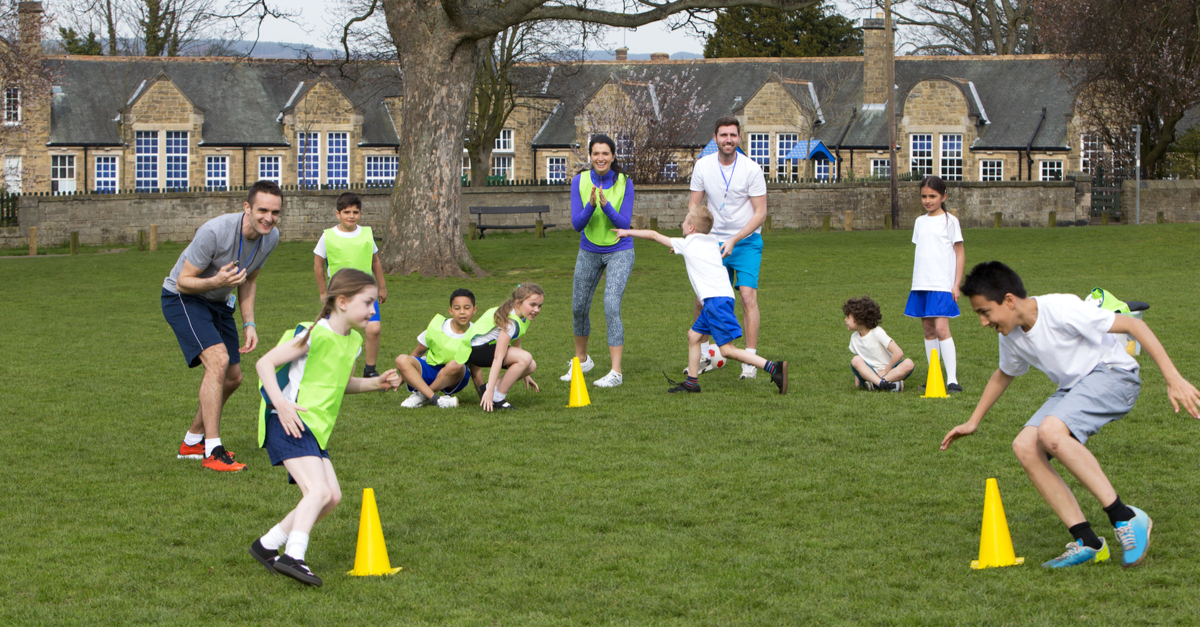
{"x": 601, "y": 200}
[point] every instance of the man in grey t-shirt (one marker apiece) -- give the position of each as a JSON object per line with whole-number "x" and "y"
{"x": 198, "y": 301}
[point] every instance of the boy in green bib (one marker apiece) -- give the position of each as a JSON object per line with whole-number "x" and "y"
{"x": 438, "y": 363}
{"x": 307, "y": 374}
{"x": 349, "y": 245}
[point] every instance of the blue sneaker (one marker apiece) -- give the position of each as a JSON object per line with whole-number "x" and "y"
{"x": 1078, "y": 554}
{"x": 1134, "y": 536}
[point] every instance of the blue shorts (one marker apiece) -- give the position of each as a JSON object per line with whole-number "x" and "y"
{"x": 199, "y": 323}
{"x": 717, "y": 319}
{"x": 375, "y": 318}
{"x": 281, "y": 446}
{"x": 429, "y": 373}
{"x": 1106, "y": 394}
{"x": 927, "y": 304}
{"x": 744, "y": 262}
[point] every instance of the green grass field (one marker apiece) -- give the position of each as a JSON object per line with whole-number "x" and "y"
{"x": 735, "y": 507}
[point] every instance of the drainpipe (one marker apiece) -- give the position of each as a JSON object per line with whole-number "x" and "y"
{"x": 837, "y": 150}
{"x": 1029, "y": 147}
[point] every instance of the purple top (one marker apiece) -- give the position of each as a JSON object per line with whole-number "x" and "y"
{"x": 581, "y": 213}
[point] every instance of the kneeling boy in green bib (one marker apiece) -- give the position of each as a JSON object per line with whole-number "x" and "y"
{"x": 438, "y": 362}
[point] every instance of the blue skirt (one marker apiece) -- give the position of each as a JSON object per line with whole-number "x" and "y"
{"x": 926, "y": 304}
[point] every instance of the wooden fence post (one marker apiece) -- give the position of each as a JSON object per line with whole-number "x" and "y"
{"x": 849, "y": 220}
{"x": 153, "y": 237}
{"x": 33, "y": 241}
{"x": 825, "y": 223}
{"x": 999, "y": 219}
{"x": 1160, "y": 217}
{"x": 653, "y": 224}
{"x": 639, "y": 222}
{"x": 141, "y": 240}
{"x": 1052, "y": 221}
{"x": 539, "y": 227}
{"x": 1104, "y": 218}
{"x": 887, "y": 222}
{"x": 74, "y": 242}
{"x": 766, "y": 227}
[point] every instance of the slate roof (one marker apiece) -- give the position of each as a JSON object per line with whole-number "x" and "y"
{"x": 241, "y": 100}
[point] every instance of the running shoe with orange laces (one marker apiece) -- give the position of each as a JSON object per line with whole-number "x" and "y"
{"x": 222, "y": 461}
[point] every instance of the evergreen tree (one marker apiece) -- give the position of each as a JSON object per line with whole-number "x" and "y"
{"x": 73, "y": 43}
{"x": 814, "y": 31}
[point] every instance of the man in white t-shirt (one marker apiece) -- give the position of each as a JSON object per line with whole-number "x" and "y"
{"x": 736, "y": 194}
{"x": 1074, "y": 344}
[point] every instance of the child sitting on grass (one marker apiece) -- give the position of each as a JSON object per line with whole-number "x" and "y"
{"x": 878, "y": 362}
{"x": 702, "y": 256}
{"x": 438, "y": 363}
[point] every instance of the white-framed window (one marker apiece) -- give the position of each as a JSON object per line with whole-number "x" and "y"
{"x": 950, "y": 166}
{"x": 881, "y": 168}
{"x": 106, "y": 175}
{"x": 381, "y": 170}
{"x": 62, "y": 174}
{"x": 786, "y": 168}
{"x": 466, "y": 165}
{"x": 504, "y": 143}
{"x": 670, "y": 171}
{"x": 556, "y": 169}
{"x": 502, "y": 167}
{"x": 12, "y": 175}
{"x": 1091, "y": 152}
{"x": 269, "y": 168}
{"x": 921, "y": 154}
{"x": 624, "y": 147}
{"x": 991, "y": 170}
{"x": 216, "y": 173}
{"x": 177, "y": 160}
{"x": 337, "y": 160}
{"x": 760, "y": 150}
{"x": 12, "y": 105}
{"x": 308, "y": 160}
{"x": 823, "y": 169}
{"x": 1051, "y": 171}
{"x": 146, "y": 151}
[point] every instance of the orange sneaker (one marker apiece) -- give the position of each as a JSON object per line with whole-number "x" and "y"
{"x": 191, "y": 451}
{"x": 222, "y": 461}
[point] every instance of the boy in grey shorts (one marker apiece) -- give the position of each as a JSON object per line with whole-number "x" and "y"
{"x": 1073, "y": 343}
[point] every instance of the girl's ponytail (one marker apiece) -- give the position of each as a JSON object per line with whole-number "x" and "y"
{"x": 523, "y": 291}
{"x": 345, "y": 282}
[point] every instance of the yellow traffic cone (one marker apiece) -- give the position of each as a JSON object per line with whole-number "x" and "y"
{"x": 995, "y": 545}
{"x": 372, "y": 557}
{"x": 579, "y": 393}
{"x": 935, "y": 386}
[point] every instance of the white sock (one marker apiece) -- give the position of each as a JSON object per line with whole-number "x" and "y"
{"x": 192, "y": 439}
{"x": 274, "y": 539}
{"x": 498, "y": 397}
{"x": 211, "y": 444}
{"x": 704, "y": 350}
{"x": 297, "y": 544}
{"x": 752, "y": 351}
{"x": 950, "y": 358}
{"x": 929, "y": 346}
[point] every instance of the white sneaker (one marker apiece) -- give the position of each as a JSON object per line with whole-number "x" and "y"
{"x": 416, "y": 399}
{"x": 446, "y": 402}
{"x": 586, "y": 366}
{"x": 707, "y": 365}
{"x": 748, "y": 372}
{"x": 610, "y": 380}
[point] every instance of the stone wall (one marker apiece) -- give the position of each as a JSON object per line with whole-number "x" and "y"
{"x": 115, "y": 219}
{"x": 1179, "y": 201}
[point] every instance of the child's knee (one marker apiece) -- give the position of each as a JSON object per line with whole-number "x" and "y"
{"x": 694, "y": 337}
{"x": 404, "y": 360}
{"x": 373, "y": 330}
{"x": 335, "y": 497}
{"x": 857, "y": 362}
{"x": 1052, "y": 434}
{"x": 453, "y": 368}
{"x": 1025, "y": 446}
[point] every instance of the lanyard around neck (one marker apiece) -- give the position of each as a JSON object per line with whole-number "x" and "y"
{"x": 254, "y": 253}
{"x": 727, "y": 180}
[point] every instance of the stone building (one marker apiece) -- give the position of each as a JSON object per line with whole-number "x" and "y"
{"x": 154, "y": 124}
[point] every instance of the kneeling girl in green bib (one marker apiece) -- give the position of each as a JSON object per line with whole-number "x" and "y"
{"x": 307, "y": 374}
{"x": 496, "y": 344}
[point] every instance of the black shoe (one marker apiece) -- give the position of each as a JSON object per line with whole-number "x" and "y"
{"x": 369, "y": 372}
{"x": 503, "y": 405}
{"x": 886, "y": 386}
{"x": 265, "y": 556}
{"x": 780, "y": 376}
{"x": 953, "y": 388}
{"x": 296, "y": 569}
{"x": 481, "y": 388}
{"x": 684, "y": 387}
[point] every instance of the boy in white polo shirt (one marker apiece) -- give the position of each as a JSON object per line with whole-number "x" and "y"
{"x": 1075, "y": 344}
{"x": 702, "y": 256}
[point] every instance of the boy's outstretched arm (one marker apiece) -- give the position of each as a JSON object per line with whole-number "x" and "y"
{"x": 995, "y": 387}
{"x": 645, "y": 234}
{"x": 1179, "y": 390}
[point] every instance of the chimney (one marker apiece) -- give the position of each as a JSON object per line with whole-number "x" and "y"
{"x": 622, "y": 54}
{"x": 29, "y": 24}
{"x": 875, "y": 49}
{"x": 659, "y": 56}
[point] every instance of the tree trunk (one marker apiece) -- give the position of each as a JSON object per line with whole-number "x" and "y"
{"x": 481, "y": 166}
{"x": 424, "y": 231}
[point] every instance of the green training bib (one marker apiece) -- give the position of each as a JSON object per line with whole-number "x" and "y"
{"x": 349, "y": 252}
{"x": 599, "y": 227}
{"x": 442, "y": 348}
{"x": 487, "y": 322}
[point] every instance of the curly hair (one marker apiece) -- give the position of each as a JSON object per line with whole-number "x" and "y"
{"x": 865, "y": 311}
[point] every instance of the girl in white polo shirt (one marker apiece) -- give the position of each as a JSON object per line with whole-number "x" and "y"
{"x": 937, "y": 272}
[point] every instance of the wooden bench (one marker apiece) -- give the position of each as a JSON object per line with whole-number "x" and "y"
{"x": 478, "y": 227}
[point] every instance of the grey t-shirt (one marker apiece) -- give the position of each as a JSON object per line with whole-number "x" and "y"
{"x": 215, "y": 245}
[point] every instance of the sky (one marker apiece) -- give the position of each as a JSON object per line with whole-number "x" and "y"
{"x": 315, "y": 25}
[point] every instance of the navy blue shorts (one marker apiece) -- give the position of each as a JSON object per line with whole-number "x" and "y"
{"x": 928, "y": 304}
{"x": 199, "y": 323}
{"x": 429, "y": 373}
{"x": 718, "y": 320}
{"x": 281, "y": 446}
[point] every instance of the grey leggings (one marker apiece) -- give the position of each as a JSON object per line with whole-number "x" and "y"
{"x": 588, "y": 266}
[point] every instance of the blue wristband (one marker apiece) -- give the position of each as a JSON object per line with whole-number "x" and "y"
{"x": 249, "y": 324}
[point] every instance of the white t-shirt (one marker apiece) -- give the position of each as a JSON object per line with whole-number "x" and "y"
{"x": 1069, "y": 339}
{"x": 934, "y": 263}
{"x": 494, "y": 334}
{"x": 873, "y": 347}
{"x": 702, "y": 256}
{"x": 320, "y": 249}
{"x": 731, "y": 209}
